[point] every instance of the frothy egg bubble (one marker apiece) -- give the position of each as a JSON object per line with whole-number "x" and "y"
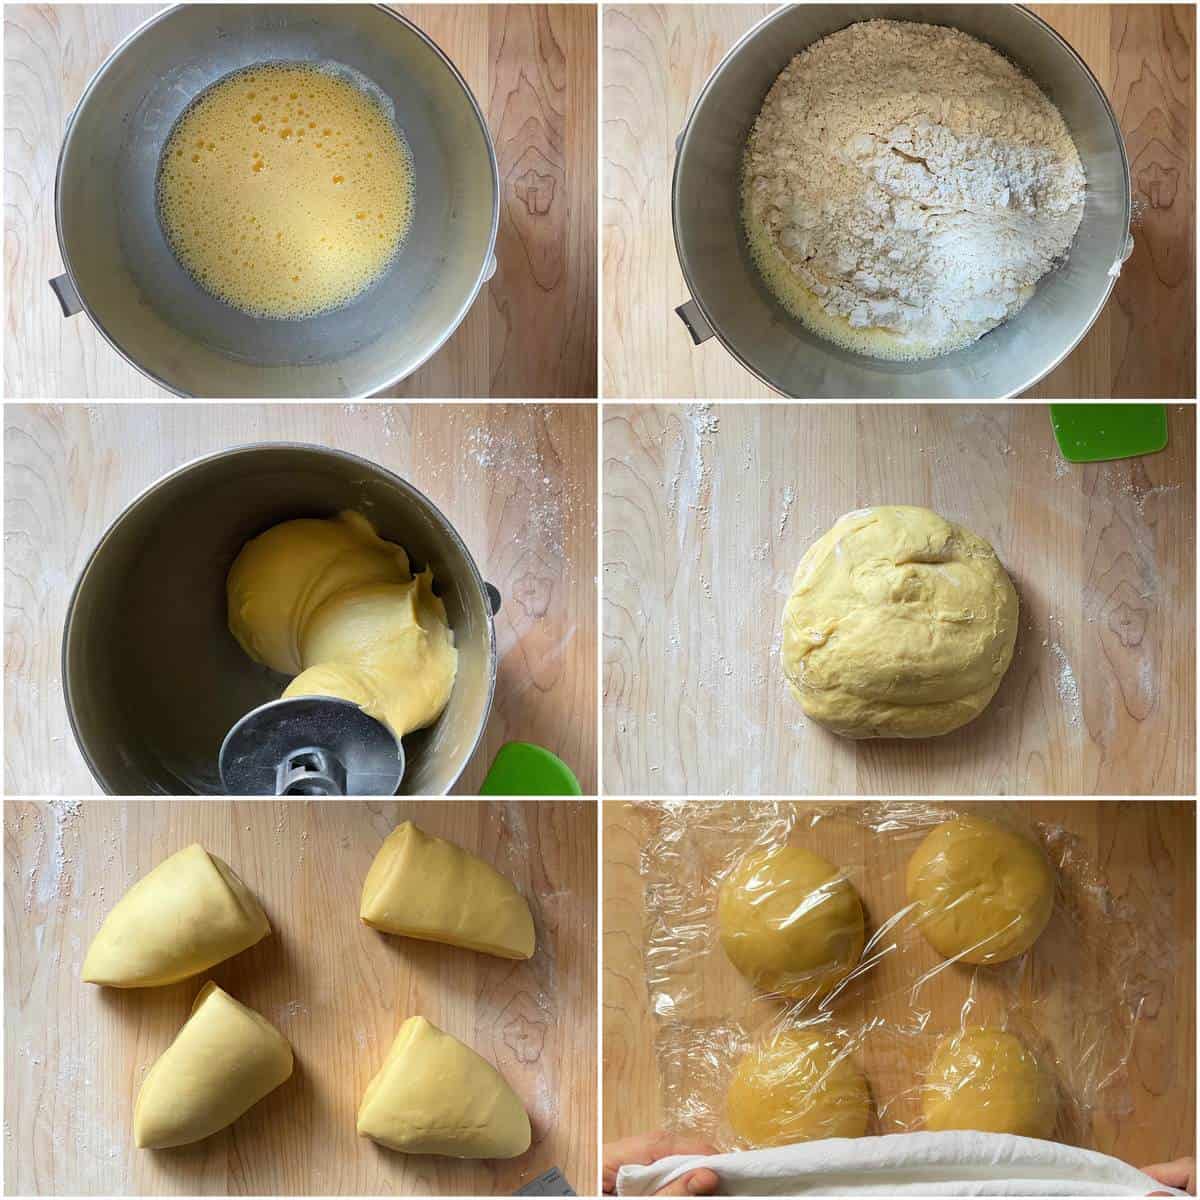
{"x": 285, "y": 190}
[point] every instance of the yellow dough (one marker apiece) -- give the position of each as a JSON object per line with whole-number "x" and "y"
{"x": 797, "y": 1087}
{"x": 425, "y": 887}
{"x": 332, "y": 603}
{"x": 988, "y": 1080}
{"x": 225, "y": 1058}
{"x": 188, "y": 914}
{"x": 433, "y": 1095}
{"x": 982, "y": 893}
{"x": 790, "y": 922}
{"x": 899, "y": 624}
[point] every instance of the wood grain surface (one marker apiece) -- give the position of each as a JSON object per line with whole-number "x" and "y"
{"x": 658, "y": 57}
{"x": 708, "y": 509}
{"x": 518, "y": 482}
{"x": 1133, "y": 861}
{"x": 75, "y": 1055}
{"x": 531, "y": 332}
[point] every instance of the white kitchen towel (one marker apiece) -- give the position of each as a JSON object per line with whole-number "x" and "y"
{"x": 960, "y": 1163}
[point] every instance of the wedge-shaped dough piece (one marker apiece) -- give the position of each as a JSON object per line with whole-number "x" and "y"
{"x": 433, "y": 1095}
{"x": 224, "y": 1059}
{"x": 188, "y": 914}
{"x": 425, "y": 887}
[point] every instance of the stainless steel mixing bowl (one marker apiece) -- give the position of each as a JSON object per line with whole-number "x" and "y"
{"x": 153, "y": 677}
{"x": 730, "y": 299}
{"x": 120, "y": 268}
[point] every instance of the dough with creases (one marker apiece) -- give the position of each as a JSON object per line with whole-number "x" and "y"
{"x": 422, "y": 886}
{"x": 900, "y": 624}
{"x": 333, "y": 604}
{"x": 989, "y": 1080}
{"x": 433, "y": 1095}
{"x": 186, "y": 915}
{"x": 226, "y": 1058}
{"x": 790, "y": 922}
{"x": 796, "y": 1086}
{"x": 981, "y": 893}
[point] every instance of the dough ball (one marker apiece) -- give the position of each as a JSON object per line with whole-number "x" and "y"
{"x": 988, "y": 1080}
{"x": 900, "y": 624}
{"x": 333, "y": 604}
{"x": 983, "y": 894}
{"x": 790, "y": 922}
{"x": 796, "y": 1087}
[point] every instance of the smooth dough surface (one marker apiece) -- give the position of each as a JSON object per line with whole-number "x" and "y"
{"x": 795, "y": 1087}
{"x": 225, "y": 1058}
{"x": 426, "y": 887}
{"x": 333, "y": 604}
{"x": 900, "y": 624}
{"x": 188, "y": 914}
{"x": 989, "y": 1080}
{"x": 983, "y": 894}
{"x": 790, "y": 922}
{"x": 433, "y": 1095}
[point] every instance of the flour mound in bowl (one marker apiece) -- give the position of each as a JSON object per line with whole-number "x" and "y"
{"x": 905, "y": 187}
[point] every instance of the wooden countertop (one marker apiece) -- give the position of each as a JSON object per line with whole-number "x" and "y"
{"x": 708, "y": 509}
{"x": 337, "y": 990}
{"x": 1141, "y": 856}
{"x": 518, "y": 482}
{"x": 532, "y": 330}
{"x": 657, "y": 58}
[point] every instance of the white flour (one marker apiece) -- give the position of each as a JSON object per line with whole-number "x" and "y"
{"x": 913, "y": 182}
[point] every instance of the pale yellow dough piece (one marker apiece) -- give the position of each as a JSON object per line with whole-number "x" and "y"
{"x": 333, "y": 604}
{"x": 433, "y": 1095}
{"x": 982, "y": 894}
{"x": 225, "y": 1058}
{"x": 425, "y": 887}
{"x": 900, "y": 624}
{"x": 790, "y": 922}
{"x": 797, "y": 1086}
{"x": 188, "y": 914}
{"x": 988, "y": 1080}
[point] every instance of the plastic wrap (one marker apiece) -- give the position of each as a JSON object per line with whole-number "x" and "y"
{"x": 1061, "y": 1016}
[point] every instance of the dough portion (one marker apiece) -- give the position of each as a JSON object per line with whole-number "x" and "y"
{"x": 988, "y": 1080}
{"x": 983, "y": 894}
{"x": 188, "y": 914}
{"x": 425, "y": 887}
{"x": 900, "y": 624}
{"x": 225, "y": 1058}
{"x": 797, "y": 1086}
{"x": 433, "y": 1095}
{"x": 333, "y": 604}
{"x": 790, "y": 922}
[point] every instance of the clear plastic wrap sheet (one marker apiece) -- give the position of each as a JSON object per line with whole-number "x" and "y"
{"x": 1074, "y": 999}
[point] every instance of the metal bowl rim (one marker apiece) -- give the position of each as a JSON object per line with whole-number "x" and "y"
{"x": 481, "y": 277}
{"x": 684, "y": 138}
{"x": 254, "y": 447}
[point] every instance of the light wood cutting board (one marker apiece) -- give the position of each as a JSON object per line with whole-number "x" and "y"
{"x": 1140, "y": 858}
{"x": 337, "y": 990}
{"x": 531, "y": 331}
{"x": 657, "y": 57}
{"x": 708, "y": 509}
{"x": 518, "y": 482}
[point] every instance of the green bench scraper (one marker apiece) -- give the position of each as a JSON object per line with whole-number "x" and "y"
{"x": 524, "y": 770}
{"x": 1099, "y": 432}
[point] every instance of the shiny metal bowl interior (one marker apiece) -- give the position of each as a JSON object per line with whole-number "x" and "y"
{"x": 735, "y": 302}
{"x": 153, "y": 677}
{"x": 166, "y": 325}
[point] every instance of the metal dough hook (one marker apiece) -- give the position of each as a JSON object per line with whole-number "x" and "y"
{"x": 310, "y": 746}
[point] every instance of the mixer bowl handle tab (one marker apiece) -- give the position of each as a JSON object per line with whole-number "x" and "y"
{"x": 64, "y": 289}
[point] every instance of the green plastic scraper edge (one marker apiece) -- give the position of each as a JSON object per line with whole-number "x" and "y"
{"x": 521, "y": 769}
{"x": 1099, "y": 432}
